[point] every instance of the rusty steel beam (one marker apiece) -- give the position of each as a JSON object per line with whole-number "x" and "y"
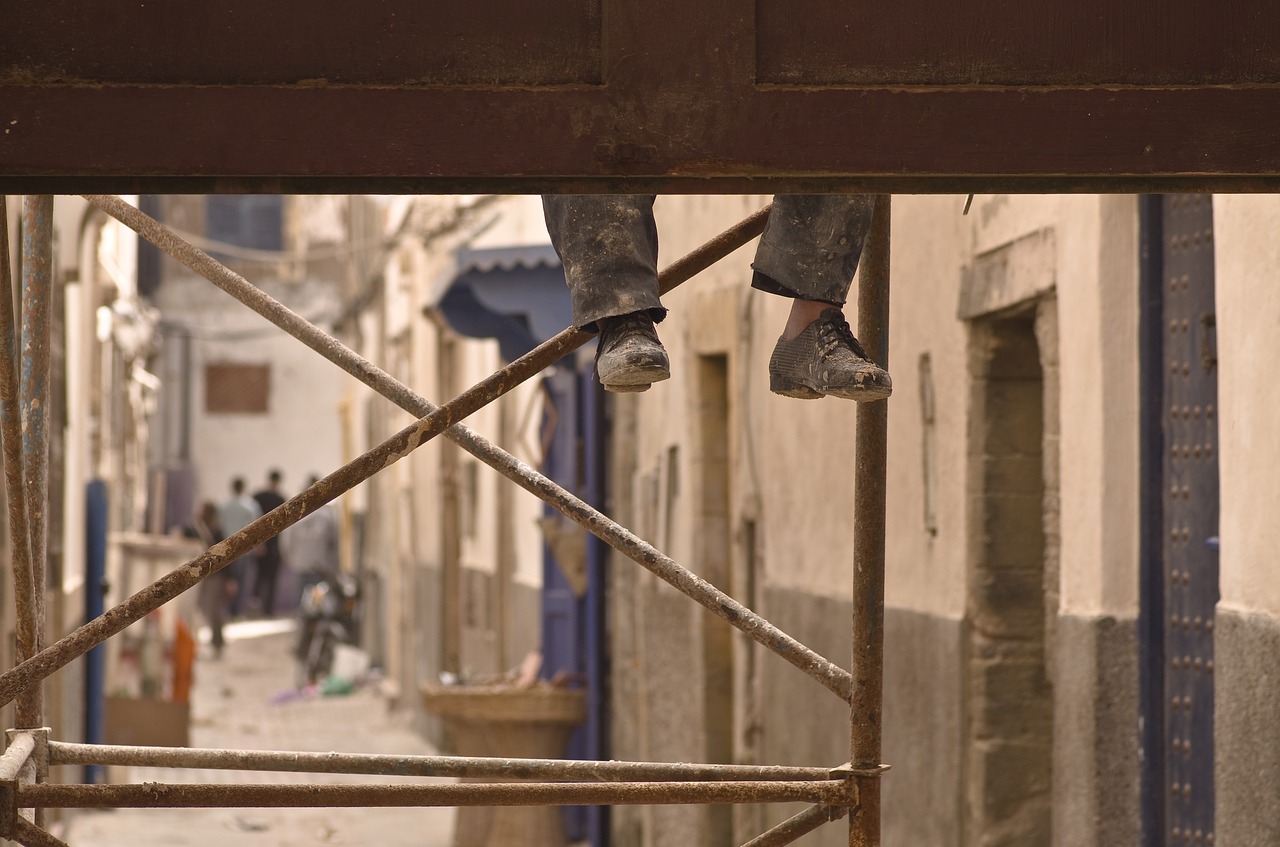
{"x": 154, "y": 795}
{"x": 714, "y": 96}
{"x": 760, "y": 183}
{"x": 869, "y": 486}
{"x": 33, "y": 404}
{"x": 826, "y": 672}
{"x": 550, "y": 770}
{"x": 798, "y": 825}
{"x": 928, "y": 139}
{"x": 11, "y": 425}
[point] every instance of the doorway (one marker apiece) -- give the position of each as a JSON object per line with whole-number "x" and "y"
{"x": 1009, "y": 731}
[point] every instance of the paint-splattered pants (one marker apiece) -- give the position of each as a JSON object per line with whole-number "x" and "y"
{"x": 608, "y": 245}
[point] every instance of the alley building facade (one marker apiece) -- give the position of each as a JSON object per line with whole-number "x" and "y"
{"x": 1063, "y": 664}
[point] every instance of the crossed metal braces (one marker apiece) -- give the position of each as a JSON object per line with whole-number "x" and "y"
{"x": 24, "y": 423}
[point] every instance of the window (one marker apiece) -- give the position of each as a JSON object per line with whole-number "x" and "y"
{"x": 231, "y": 388}
{"x": 246, "y": 220}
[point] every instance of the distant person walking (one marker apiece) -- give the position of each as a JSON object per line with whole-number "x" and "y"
{"x": 267, "y": 576}
{"x": 311, "y": 545}
{"x": 206, "y": 527}
{"x": 238, "y": 512}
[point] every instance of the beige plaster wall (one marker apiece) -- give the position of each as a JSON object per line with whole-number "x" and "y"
{"x": 1098, "y": 312}
{"x": 1246, "y": 255}
{"x": 786, "y": 449}
{"x": 1096, "y": 278}
{"x": 426, "y": 268}
{"x": 931, "y": 242}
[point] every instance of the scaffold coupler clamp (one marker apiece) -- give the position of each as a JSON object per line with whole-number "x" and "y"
{"x": 852, "y": 775}
{"x": 25, "y": 760}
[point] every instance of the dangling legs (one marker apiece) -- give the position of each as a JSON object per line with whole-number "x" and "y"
{"x": 608, "y": 247}
{"x": 809, "y": 251}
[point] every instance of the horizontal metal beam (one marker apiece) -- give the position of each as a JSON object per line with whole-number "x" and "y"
{"x": 154, "y": 795}
{"x": 671, "y": 184}
{"x": 555, "y": 770}
{"x": 441, "y": 139}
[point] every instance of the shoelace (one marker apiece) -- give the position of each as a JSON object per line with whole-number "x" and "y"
{"x": 624, "y": 325}
{"x": 832, "y": 333}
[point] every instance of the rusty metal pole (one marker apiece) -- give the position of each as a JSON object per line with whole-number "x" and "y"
{"x": 33, "y": 398}
{"x": 29, "y": 835}
{"x": 11, "y": 431}
{"x": 798, "y": 825}
{"x": 473, "y": 767}
{"x": 162, "y": 795}
{"x": 868, "y": 546}
{"x": 87, "y": 636}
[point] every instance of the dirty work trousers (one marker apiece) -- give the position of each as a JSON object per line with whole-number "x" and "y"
{"x": 608, "y": 245}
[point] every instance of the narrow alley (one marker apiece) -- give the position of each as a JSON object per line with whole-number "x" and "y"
{"x": 246, "y": 701}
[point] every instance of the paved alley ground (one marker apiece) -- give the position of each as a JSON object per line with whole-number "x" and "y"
{"x": 236, "y": 703}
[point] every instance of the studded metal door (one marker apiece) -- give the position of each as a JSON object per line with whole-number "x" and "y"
{"x": 1190, "y": 424}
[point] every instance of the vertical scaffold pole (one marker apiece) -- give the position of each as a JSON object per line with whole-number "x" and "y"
{"x": 33, "y": 400}
{"x": 869, "y": 536}
{"x": 11, "y": 426}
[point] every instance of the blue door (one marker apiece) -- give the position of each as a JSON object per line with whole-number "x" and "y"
{"x": 573, "y": 592}
{"x": 1180, "y": 506}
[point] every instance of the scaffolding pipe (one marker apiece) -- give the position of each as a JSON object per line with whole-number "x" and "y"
{"x": 11, "y": 431}
{"x": 551, "y": 770}
{"x": 871, "y": 467}
{"x": 16, "y": 755}
{"x": 155, "y": 795}
{"x": 798, "y": 825}
{"x": 826, "y": 672}
{"x": 172, "y": 584}
{"x": 29, "y": 835}
{"x": 33, "y": 401}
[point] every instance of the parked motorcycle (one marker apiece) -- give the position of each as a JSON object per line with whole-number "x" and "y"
{"x": 328, "y": 615}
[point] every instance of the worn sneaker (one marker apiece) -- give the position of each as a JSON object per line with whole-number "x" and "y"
{"x": 629, "y": 356}
{"x": 824, "y": 360}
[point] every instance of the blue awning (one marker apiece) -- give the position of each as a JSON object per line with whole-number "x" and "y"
{"x": 514, "y": 294}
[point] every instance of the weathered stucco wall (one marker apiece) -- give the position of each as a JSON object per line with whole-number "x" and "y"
{"x": 791, "y": 498}
{"x": 1247, "y": 748}
{"x": 1247, "y": 254}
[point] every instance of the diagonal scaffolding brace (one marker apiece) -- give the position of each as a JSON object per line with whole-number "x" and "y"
{"x": 435, "y": 419}
{"x": 853, "y": 788}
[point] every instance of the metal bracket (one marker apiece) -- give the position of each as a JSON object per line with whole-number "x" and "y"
{"x": 40, "y": 753}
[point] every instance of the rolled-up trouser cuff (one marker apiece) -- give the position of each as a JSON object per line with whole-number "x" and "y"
{"x": 811, "y": 245}
{"x": 608, "y": 247}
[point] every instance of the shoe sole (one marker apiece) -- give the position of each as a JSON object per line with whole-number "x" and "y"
{"x": 800, "y": 391}
{"x": 790, "y": 388}
{"x": 862, "y": 395}
{"x": 633, "y": 380}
